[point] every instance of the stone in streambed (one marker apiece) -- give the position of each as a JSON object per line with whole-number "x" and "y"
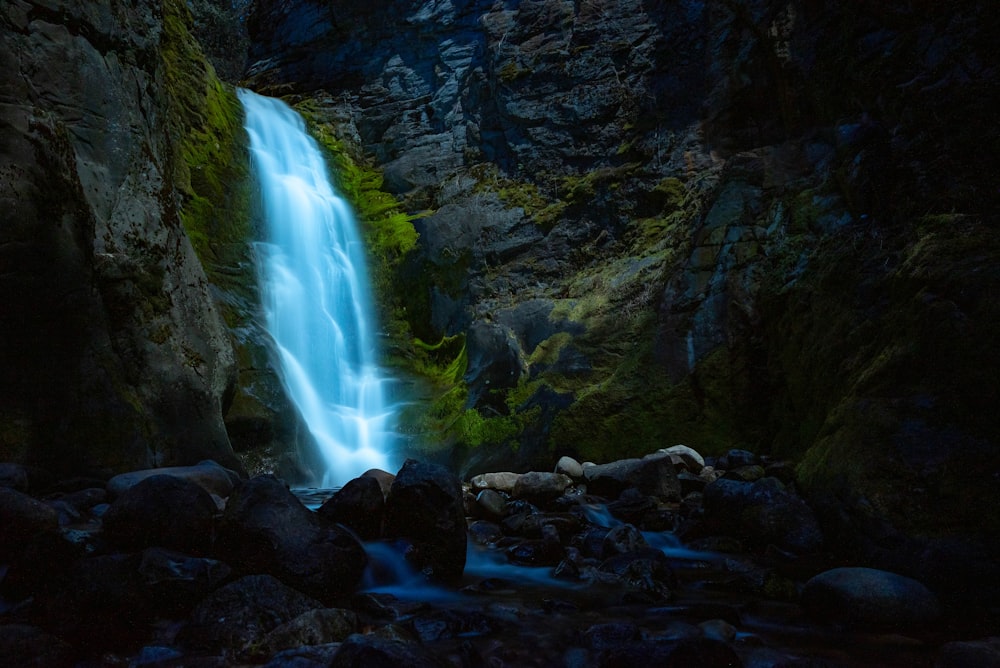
{"x": 359, "y": 505}
{"x": 569, "y": 466}
{"x": 693, "y": 461}
{"x": 425, "y": 509}
{"x": 162, "y": 511}
{"x": 535, "y": 552}
{"x": 503, "y": 481}
{"x": 177, "y": 581}
{"x": 214, "y": 478}
{"x": 266, "y": 529}
{"x": 866, "y": 597}
{"x": 22, "y": 517}
{"x": 30, "y": 647}
{"x": 242, "y": 613}
{"x": 970, "y": 654}
{"x": 490, "y": 504}
{"x": 322, "y": 626}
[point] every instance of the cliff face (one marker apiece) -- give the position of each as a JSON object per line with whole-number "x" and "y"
{"x": 114, "y": 353}
{"x": 761, "y": 224}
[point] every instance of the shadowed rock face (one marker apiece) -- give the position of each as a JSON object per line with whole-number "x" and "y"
{"x": 114, "y": 354}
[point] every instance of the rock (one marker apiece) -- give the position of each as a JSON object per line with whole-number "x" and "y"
{"x": 85, "y": 499}
{"x": 209, "y": 475}
{"x": 425, "y": 508}
{"x": 163, "y": 511}
{"x": 176, "y": 581}
{"x": 358, "y": 505}
{"x": 610, "y": 635}
{"x": 745, "y": 473}
{"x": 14, "y": 476}
{"x": 501, "y": 482}
{"x": 866, "y": 597}
{"x": 485, "y": 533}
{"x": 734, "y": 459}
{"x": 535, "y": 552}
{"x": 309, "y": 656}
{"x": 760, "y": 513}
{"x": 372, "y": 651}
{"x": 266, "y": 529}
{"x": 569, "y": 466}
{"x": 690, "y": 483}
{"x": 242, "y": 613}
{"x": 693, "y": 460}
{"x": 718, "y": 629}
{"x": 983, "y": 653}
{"x": 621, "y": 539}
{"x": 490, "y": 504}
{"x": 322, "y": 626}
{"x": 538, "y": 487}
{"x": 384, "y": 479}
{"x": 22, "y": 518}
{"x": 654, "y": 476}
{"x": 29, "y": 647}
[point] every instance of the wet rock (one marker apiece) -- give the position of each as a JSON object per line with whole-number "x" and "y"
{"x": 672, "y": 653}
{"x": 322, "y": 626}
{"x": 22, "y": 518}
{"x": 718, "y": 629}
{"x": 85, "y": 499}
{"x": 569, "y": 466}
{"x": 30, "y": 647}
{"x": 309, "y": 656}
{"x": 243, "y": 613}
{"x": 983, "y": 653}
{"x": 749, "y": 473}
{"x": 622, "y": 539}
{"x": 374, "y": 652}
{"x": 539, "y": 487}
{"x": 207, "y": 474}
{"x": 163, "y": 511}
{"x": 502, "y": 482}
{"x": 760, "y": 513}
{"x": 535, "y": 552}
{"x": 14, "y": 476}
{"x": 484, "y": 532}
{"x": 734, "y": 459}
{"x": 690, "y": 483}
{"x": 646, "y": 572}
{"x": 654, "y": 476}
{"x": 384, "y": 479}
{"x": 693, "y": 461}
{"x": 358, "y": 505}
{"x": 865, "y": 597}
{"x": 425, "y": 509}
{"x": 266, "y": 529}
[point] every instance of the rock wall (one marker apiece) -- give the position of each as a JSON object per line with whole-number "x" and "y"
{"x": 114, "y": 352}
{"x": 760, "y": 223}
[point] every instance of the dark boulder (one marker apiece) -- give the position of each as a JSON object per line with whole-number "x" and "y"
{"x": 266, "y": 529}
{"x": 22, "y": 518}
{"x": 30, "y": 647}
{"x": 176, "y": 581}
{"x": 425, "y": 509}
{"x": 359, "y": 505}
{"x": 866, "y": 597}
{"x": 242, "y": 613}
{"x": 162, "y": 511}
{"x": 319, "y": 627}
{"x": 761, "y": 513}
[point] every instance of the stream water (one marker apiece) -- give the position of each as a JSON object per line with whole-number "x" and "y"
{"x": 316, "y": 296}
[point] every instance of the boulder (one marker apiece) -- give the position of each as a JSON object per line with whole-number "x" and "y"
{"x": 207, "y": 474}
{"x": 243, "y": 613}
{"x": 983, "y": 653}
{"x": 315, "y": 627}
{"x": 176, "y": 581}
{"x": 539, "y": 487}
{"x": 266, "y": 529}
{"x": 22, "y": 518}
{"x": 867, "y": 597}
{"x": 761, "y": 513}
{"x": 653, "y": 476}
{"x": 359, "y": 505}
{"x": 490, "y": 504}
{"x": 425, "y": 509}
{"x": 384, "y": 479}
{"x": 163, "y": 511}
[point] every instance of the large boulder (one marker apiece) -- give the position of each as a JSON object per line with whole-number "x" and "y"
{"x": 539, "y": 487}
{"x": 425, "y": 508}
{"x": 761, "y": 513}
{"x": 31, "y": 647}
{"x": 23, "y": 517}
{"x": 162, "y": 511}
{"x": 266, "y": 529}
{"x": 867, "y": 597}
{"x": 242, "y": 614}
{"x": 208, "y": 474}
{"x": 358, "y": 505}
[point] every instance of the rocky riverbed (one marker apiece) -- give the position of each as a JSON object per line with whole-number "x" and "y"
{"x": 670, "y": 559}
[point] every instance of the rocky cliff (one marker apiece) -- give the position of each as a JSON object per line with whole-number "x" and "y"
{"x": 758, "y": 223}
{"x": 114, "y": 352}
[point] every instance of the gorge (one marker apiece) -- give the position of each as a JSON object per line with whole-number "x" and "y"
{"x": 594, "y": 230}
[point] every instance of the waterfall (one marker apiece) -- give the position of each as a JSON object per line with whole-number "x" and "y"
{"x": 316, "y": 296}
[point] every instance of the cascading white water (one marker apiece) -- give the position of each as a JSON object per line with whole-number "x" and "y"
{"x": 317, "y": 300}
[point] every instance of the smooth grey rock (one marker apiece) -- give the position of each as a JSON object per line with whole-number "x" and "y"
{"x": 502, "y": 481}
{"x": 867, "y": 597}
{"x": 209, "y": 475}
{"x": 539, "y": 486}
{"x": 569, "y": 466}
{"x": 692, "y": 458}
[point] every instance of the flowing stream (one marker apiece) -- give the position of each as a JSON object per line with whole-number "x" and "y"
{"x": 317, "y": 299}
